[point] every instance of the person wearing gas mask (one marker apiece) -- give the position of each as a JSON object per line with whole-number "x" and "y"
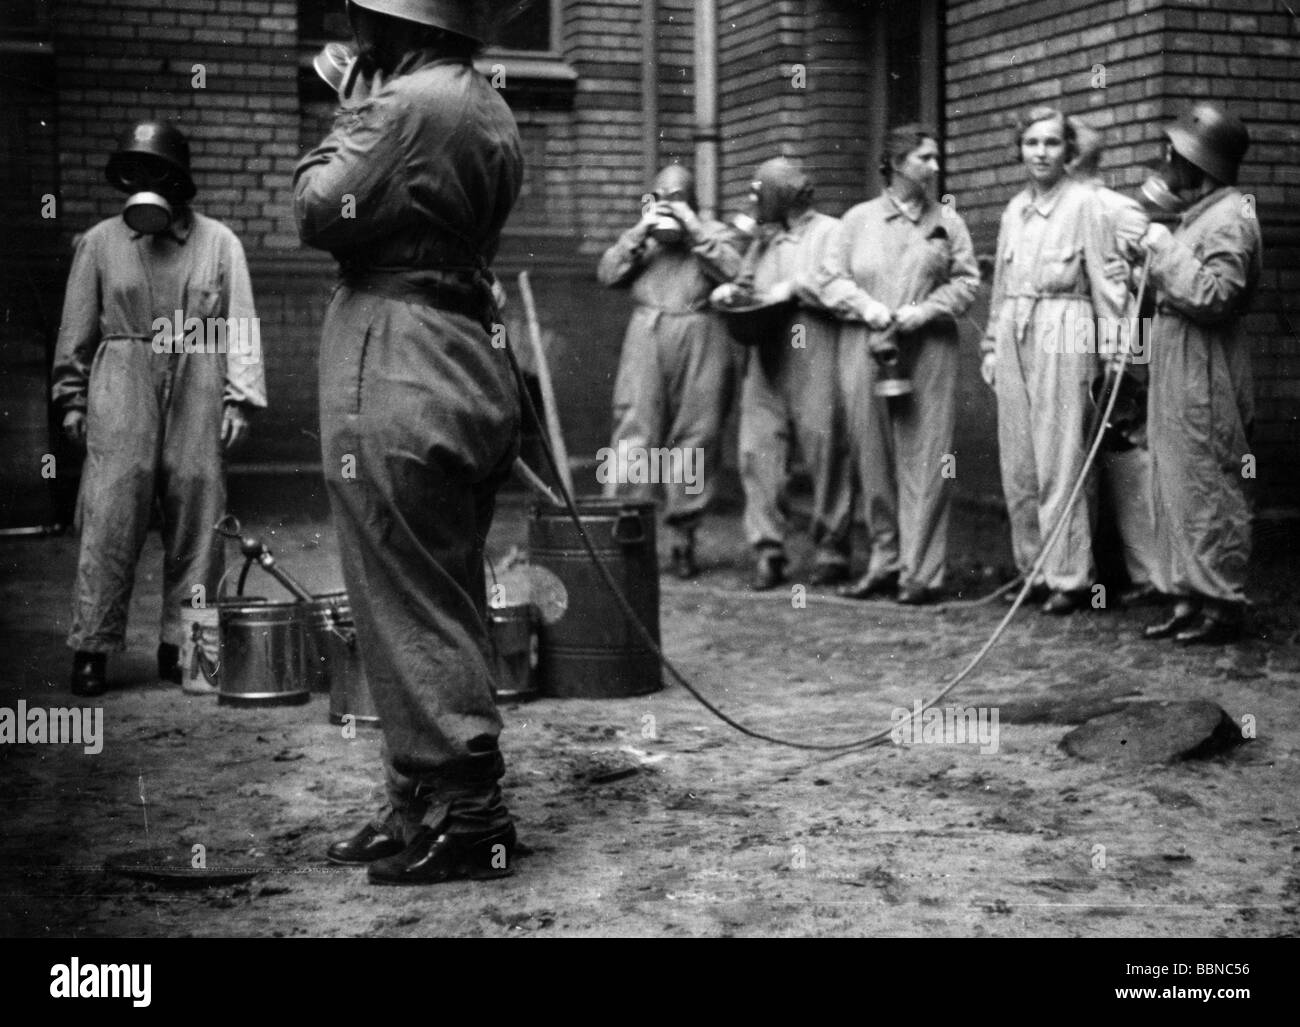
{"x": 420, "y": 418}
{"x": 1058, "y": 296}
{"x": 155, "y": 400}
{"x": 676, "y": 372}
{"x": 1124, "y": 459}
{"x": 902, "y": 270}
{"x": 1201, "y": 406}
{"x": 790, "y": 390}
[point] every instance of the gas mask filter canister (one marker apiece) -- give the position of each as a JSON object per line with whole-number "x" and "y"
{"x": 148, "y": 213}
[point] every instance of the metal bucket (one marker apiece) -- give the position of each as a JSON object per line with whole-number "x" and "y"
{"x": 322, "y": 617}
{"x": 334, "y": 641}
{"x": 591, "y": 650}
{"x": 513, "y": 631}
{"x": 261, "y": 653}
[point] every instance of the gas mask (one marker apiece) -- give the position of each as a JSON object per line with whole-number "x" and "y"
{"x": 673, "y": 183}
{"x": 152, "y": 168}
{"x": 1161, "y": 188}
{"x": 147, "y": 209}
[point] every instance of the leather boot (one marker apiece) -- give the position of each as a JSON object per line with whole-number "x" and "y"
{"x": 870, "y": 585}
{"x": 89, "y": 673}
{"x": 1178, "y": 619}
{"x": 1219, "y": 623}
{"x": 683, "y": 561}
{"x": 769, "y": 572}
{"x": 436, "y": 854}
{"x": 366, "y": 846}
{"x": 169, "y": 663}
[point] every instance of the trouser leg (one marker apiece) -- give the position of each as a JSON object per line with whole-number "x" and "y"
{"x": 639, "y": 399}
{"x": 764, "y": 452}
{"x": 1059, "y": 410}
{"x": 192, "y": 486}
{"x": 873, "y": 437}
{"x": 923, "y": 426}
{"x": 702, "y": 383}
{"x": 412, "y": 522}
{"x": 819, "y": 417}
{"x": 1016, "y": 455}
{"x": 117, "y": 488}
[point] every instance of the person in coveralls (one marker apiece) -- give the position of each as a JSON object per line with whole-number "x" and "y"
{"x": 420, "y": 417}
{"x": 1201, "y": 402}
{"x": 676, "y": 374}
{"x": 157, "y": 366}
{"x": 790, "y": 395}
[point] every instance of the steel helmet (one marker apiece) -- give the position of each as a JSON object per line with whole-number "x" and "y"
{"x": 160, "y": 144}
{"x": 1212, "y": 139}
{"x": 471, "y": 18}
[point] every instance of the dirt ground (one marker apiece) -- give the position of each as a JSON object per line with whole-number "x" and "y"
{"x": 677, "y": 825}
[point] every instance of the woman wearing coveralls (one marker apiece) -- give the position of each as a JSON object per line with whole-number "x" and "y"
{"x": 790, "y": 396}
{"x": 419, "y": 418}
{"x": 1058, "y": 292}
{"x": 677, "y": 368}
{"x": 903, "y": 265}
{"x": 153, "y": 400}
{"x": 1201, "y": 404}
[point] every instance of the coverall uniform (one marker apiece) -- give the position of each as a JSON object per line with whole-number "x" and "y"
{"x": 419, "y": 415}
{"x": 1201, "y": 403}
{"x": 792, "y": 393}
{"x": 900, "y": 444}
{"x": 153, "y": 419}
{"x": 1055, "y": 275}
{"x": 676, "y": 374}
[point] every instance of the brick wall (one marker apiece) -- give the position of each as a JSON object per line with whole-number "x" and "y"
{"x": 120, "y": 62}
{"x": 587, "y": 161}
{"x": 1127, "y": 67}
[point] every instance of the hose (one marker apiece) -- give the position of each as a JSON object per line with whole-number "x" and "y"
{"x": 886, "y": 734}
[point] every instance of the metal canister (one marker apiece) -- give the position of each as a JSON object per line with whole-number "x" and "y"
{"x": 592, "y": 650}
{"x": 261, "y": 653}
{"x": 513, "y": 631}
{"x": 349, "y": 693}
{"x": 321, "y": 618}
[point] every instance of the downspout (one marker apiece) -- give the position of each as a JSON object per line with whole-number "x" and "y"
{"x": 650, "y": 88}
{"x": 706, "y": 105}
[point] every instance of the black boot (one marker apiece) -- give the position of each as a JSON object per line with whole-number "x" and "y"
{"x": 1219, "y": 623}
{"x": 89, "y": 673}
{"x": 769, "y": 572}
{"x": 1178, "y": 619}
{"x": 683, "y": 561}
{"x": 870, "y": 585}
{"x": 366, "y": 846}
{"x": 436, "y": 854}
{"x": 169, "y": 663}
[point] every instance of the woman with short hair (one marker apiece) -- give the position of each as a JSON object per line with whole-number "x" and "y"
{"x": 1056, "y": 292}
{"x": 901, "y": 272}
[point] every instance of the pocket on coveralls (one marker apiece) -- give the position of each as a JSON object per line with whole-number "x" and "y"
{"x": 1059, "y": 271}
{"x": 202, "y": 301}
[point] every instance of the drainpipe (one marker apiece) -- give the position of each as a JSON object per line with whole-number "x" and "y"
{"x": 706, "y": 105}
{"x": 650, "y": 88}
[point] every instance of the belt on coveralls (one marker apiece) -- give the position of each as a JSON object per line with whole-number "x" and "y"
{"x": 1022, "y": 322}
{"x": 459, "y": 295}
